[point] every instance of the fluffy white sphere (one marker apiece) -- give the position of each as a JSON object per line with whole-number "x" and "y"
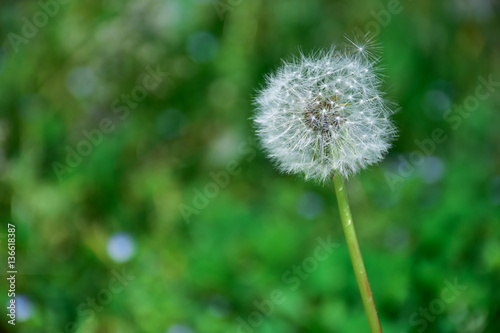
{"x": 325, "y": 113}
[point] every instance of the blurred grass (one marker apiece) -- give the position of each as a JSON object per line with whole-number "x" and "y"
{"x": 440, "y": 224}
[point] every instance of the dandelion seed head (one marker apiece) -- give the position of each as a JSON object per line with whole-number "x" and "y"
{"x": 325, "y": 113}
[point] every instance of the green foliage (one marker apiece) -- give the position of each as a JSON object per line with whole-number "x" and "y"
{"x": 204, "y": 263}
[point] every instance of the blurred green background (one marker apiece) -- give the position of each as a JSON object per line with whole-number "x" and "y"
{"x": 143, "y": 204}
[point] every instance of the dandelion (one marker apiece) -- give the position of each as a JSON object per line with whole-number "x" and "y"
{"x": 325, "y": 116}
{"x": 325, "y": 113}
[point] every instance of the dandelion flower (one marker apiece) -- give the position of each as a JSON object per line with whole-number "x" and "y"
{"x": 325, "y": 113}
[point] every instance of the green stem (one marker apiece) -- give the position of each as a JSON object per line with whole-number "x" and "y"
{"x": 355, "y": 253}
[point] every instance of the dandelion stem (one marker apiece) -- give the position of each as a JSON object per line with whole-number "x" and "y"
{"x": 355, "y": 253}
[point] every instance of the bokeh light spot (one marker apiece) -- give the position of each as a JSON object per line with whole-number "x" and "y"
{"x": 431, "y": 170}
{"x": 81, "y": 81}
{"x": 24, "y": 308}
{"x": 180, "y": 328}
{"x": 202, "y": 46}
{"x": 121, "y": 247}
{"x": 310, "y": 205}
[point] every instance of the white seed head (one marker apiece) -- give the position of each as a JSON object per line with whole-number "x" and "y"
{"x": 325, "y": 113}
